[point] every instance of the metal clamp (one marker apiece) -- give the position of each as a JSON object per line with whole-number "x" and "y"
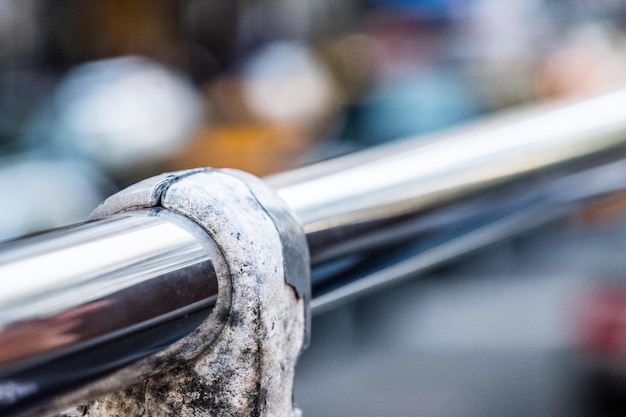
{"x": 247, "y": 368}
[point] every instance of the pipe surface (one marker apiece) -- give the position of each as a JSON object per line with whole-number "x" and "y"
{"x": 365, "y": 200}
{"x": 79, "y": 303}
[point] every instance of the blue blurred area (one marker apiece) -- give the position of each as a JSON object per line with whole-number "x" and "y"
{"x": 431, "y": 9}
{"x": 417, "y": 105}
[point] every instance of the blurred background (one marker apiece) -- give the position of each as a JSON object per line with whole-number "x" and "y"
{"x": 99, "y": 94}
{"x": 96, "y": 95}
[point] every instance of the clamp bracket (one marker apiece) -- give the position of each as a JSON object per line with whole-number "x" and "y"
{"x": 246, "y": 366}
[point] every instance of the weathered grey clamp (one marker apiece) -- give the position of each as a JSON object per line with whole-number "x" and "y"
{"x": 247, "y": 368}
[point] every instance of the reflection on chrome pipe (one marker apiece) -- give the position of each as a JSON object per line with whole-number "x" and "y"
{"x": 79, "y": 303}
{"x": 379, "y": 196}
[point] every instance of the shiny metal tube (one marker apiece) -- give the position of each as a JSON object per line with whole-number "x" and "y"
{"x": 79, "y": 303}
{"x": 380, "y": 196}
{"x": 387, "y": 213}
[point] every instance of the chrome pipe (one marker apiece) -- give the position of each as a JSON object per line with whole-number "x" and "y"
{"x": 82, "y": 302}
{"x": 383, "y": 195}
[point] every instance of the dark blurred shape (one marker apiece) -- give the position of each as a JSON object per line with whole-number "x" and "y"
{"x": 21, "y": 94}
{"x": 20, "y": 33}
{"x": 212, "y": 24}
{"x": 86, "y": 30}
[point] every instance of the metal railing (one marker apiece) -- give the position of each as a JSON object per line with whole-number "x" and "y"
{"x": 83, "y": 301}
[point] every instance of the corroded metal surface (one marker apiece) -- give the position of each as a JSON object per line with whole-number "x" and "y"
{"x": 248, "y": 369}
